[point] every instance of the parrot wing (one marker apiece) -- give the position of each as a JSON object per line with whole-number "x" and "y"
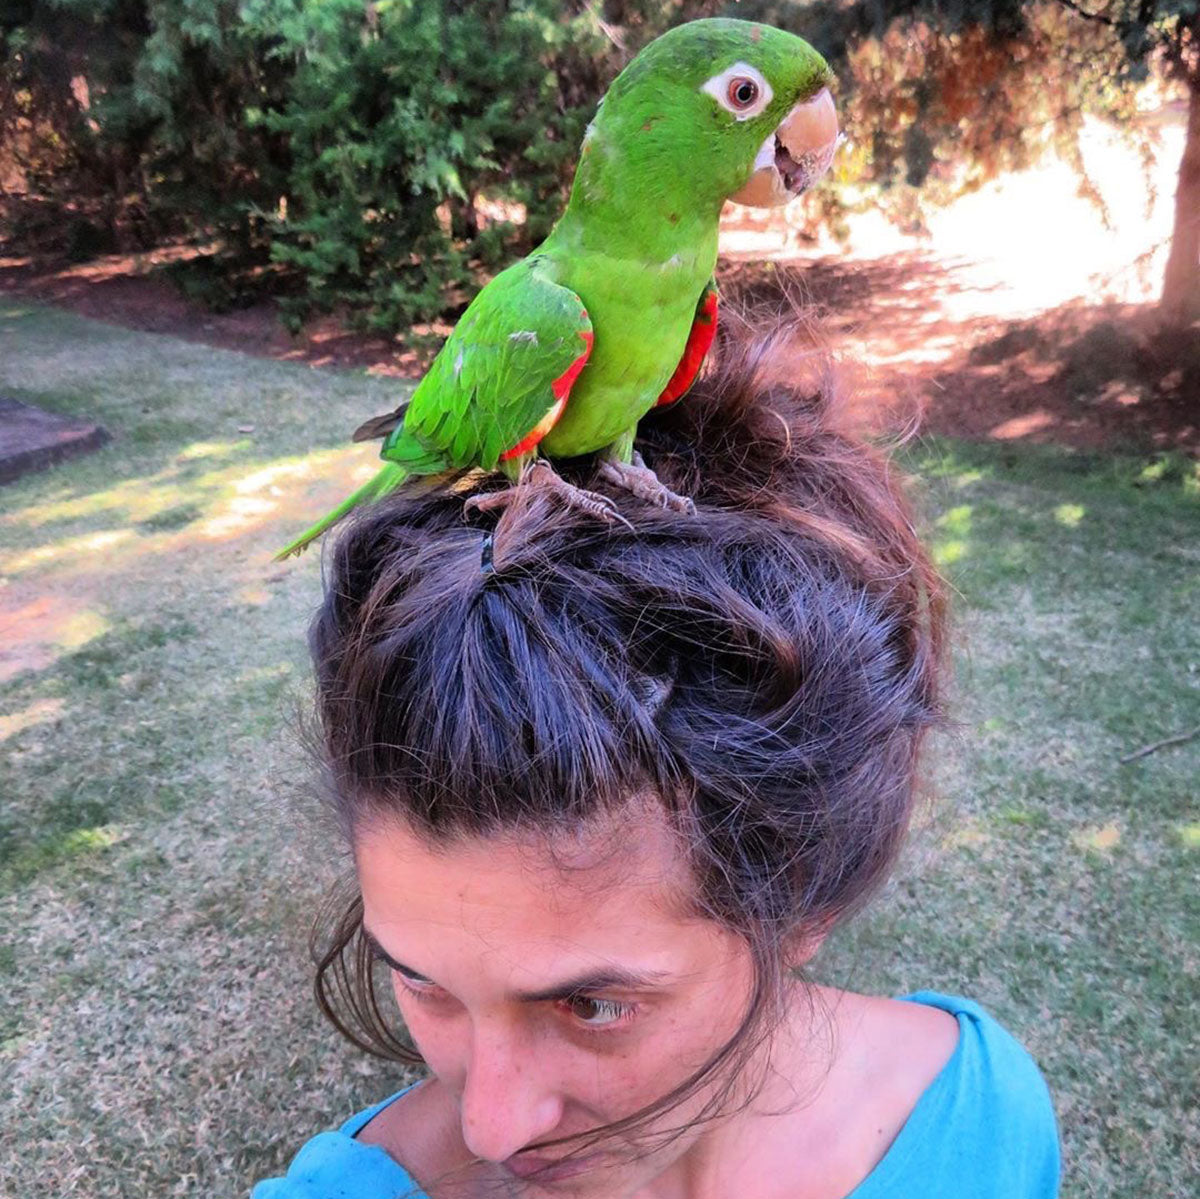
{"x": 699, "y": 342}
{"x": 503, "y": 376}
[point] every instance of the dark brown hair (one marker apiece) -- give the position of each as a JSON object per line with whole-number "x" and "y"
{"x": 765, "y": 668}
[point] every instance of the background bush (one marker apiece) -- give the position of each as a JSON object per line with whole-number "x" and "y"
{"x": 341, "y": 151}
{"x": 368, "y": 155}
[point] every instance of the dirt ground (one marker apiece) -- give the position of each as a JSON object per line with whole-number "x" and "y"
{"x": 913, "y": 334}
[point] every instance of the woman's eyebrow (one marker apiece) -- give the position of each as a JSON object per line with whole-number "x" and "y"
{"x": 608, "y": 978}
{"x": 383, "y": 955}
{"x": 594, "y": 980}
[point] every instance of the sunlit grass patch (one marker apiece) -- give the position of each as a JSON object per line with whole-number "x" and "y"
{"x": 67, "y": 549}
{"x": 55, "y": 850}
{"x": 41, "y": 711}
{"x": 202, "y": 450}
{"x": 213, "y": 503}
{"x": 1102, "y": 839}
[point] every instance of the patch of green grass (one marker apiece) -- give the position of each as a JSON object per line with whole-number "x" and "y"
{"x": 58, "y": 807}
{"x": 171, "y": 518}
{"x": 1054, "y": 882}
{"x": 159, "y": 863}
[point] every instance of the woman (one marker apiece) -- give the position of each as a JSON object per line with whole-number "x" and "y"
{"x": 608, "y": 788}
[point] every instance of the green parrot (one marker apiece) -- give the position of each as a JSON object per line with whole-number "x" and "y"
{"x": 562, "y": 353}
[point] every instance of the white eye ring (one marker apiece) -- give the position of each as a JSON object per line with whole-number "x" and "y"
{"x": 718, "y": 88}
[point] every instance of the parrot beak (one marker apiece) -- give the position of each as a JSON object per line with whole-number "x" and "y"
{"x": 795, "y": 156}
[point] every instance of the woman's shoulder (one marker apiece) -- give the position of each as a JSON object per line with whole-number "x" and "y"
{"x": 338, "y": 1165}
{"x": 983, "y": 1128}
{"x": 990, "y": 1068}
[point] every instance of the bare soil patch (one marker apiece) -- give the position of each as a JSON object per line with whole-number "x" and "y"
{"x": 911, "y": 332}
{"x": 916, "y": 345}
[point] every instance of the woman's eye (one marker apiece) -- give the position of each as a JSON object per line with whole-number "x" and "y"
{"x": 598, "y": 1013}
{"x": 419, "y": 988}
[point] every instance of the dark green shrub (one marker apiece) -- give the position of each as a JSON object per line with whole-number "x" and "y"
{"x": 400, "y": 116}
{"x": 369, "y": 151}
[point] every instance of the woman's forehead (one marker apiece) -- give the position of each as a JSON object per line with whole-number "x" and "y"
{"x": 620, "y": 880}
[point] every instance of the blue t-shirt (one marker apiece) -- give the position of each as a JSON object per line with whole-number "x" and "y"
{"x": 983, "y": 1129}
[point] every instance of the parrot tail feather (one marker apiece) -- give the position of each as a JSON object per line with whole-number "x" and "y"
{"x": 387, "y": 480}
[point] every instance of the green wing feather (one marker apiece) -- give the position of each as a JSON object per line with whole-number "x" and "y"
{"x": 493, "y": 381}
{"x": 491, "y": 384}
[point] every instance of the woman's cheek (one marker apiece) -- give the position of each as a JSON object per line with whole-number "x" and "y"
{"x": 632, "y": 1071}
{"x": 653, "y": 1065}
{"x": 433, "y": 1033}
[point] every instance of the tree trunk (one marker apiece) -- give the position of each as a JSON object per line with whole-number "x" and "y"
{"x": 1181, "y": 283}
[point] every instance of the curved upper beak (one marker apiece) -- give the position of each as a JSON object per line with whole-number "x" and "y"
{"x": 795, "y": 155}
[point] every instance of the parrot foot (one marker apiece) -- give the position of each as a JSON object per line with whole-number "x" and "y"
{"x": 541, "y": 474}
{"x": 638, "y": 478}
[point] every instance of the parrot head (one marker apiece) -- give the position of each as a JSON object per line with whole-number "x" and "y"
{"x": 722, "y": 109}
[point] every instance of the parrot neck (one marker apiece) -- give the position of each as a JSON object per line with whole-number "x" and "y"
{"x": 629, "y": 201}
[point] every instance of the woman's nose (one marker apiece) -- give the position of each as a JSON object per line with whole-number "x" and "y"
{"x": 508, "y": 1102}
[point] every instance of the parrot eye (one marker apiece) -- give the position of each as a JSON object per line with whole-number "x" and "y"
{"x": 742, "y": 92}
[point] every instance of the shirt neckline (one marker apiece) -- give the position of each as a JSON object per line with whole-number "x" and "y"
{"x": 905, "y": 1141}
{"x": 894, "y": 1158}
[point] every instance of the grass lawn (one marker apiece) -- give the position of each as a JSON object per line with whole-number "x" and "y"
{"x": 160, "y": 855}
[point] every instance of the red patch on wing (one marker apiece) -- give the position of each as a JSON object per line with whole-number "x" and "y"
{"x": 562, "y": 385}
{"x": 699, "y": 342}
{"x": 561, "y": 388}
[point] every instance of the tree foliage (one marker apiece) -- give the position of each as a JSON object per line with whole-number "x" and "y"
{"x": 364, "y": 154}
{"x": 345, "y": 145}
{"x": 399, "y": 116}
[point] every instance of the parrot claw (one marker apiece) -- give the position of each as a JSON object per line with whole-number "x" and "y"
{"x": 541, "y": 474}
{"x": 639, "y": 479}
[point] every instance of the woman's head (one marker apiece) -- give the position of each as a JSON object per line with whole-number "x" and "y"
{"x": 557, "y": 984}
{"x": 753, "y": 680}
